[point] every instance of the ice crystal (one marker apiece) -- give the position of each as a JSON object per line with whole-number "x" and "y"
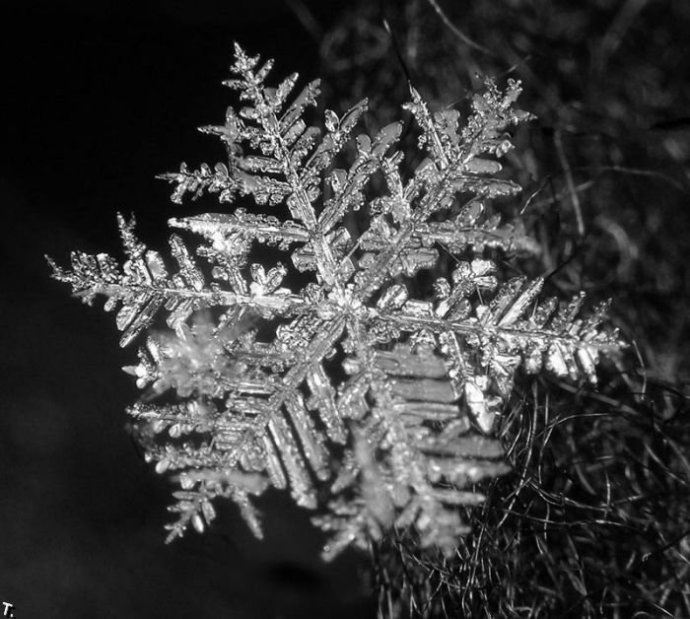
{"x": 271, "y": 373}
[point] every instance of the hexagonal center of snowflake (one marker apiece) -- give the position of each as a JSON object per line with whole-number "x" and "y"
{"x": 340, "y": 302}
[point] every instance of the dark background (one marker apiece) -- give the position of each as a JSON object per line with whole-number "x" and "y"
{"x": 98, "y": 97}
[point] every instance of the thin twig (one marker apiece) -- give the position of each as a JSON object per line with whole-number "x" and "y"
{"x": 636, "y": 172}
{"x": 559, "y": 195}
{"x": 574, "y": 198}
{"x": 456, "y": 31}
{"x": 619, "y": 26}
{"x": 306, "y": 18}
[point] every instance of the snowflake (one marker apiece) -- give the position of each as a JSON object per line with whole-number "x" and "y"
{"x": 329, "y": 376}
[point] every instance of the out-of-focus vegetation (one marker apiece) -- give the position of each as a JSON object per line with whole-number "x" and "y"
{"x": 595, "y": 519}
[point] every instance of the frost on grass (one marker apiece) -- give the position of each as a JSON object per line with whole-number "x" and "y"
{"x": 324, "y": 374}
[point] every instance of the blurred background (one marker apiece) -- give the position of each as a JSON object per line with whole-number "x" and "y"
{"x": 99, "y": 97}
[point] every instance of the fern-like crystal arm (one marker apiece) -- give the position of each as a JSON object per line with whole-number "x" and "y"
{"x": 455, "y": 237}
{"x": 455, "y": 166}
{"x": 563, "y": 342}
{"x": 284, "y": 142}
{"x": 427, "y": 452}
{"x": 143, "y": 286}
{"x": 217, "y": 227}
{"x": 484, "y": 344}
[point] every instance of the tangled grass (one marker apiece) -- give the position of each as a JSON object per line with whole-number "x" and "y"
{"x": 593, "y": 522}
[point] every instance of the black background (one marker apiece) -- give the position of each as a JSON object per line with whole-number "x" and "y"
{"x": 97, "y": 98}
